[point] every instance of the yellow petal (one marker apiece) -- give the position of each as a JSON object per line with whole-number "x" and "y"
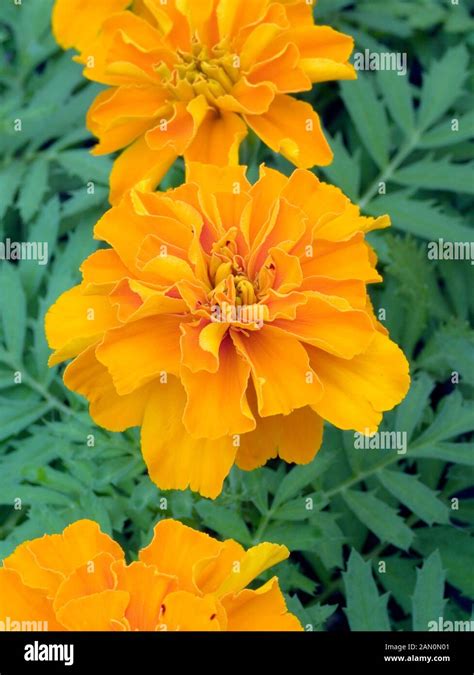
{"x": 218, "y": 139}
{"x": 255, "y": 561}
{"x": 93, "y": 577}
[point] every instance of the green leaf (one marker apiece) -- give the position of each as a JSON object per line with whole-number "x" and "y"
{"x": 438, "y": 174}
{"x": 298, "y": 478}
{"x": 457, "y": 553}
{"x": 442, "y": 134}
{"x": 454, "y": 417}
{"x": 459, "y": 453}
{"x": 302, "y": 538}
{"x": 344, "y": 170}
{"x": 366, "y": 610}
{"x": 380, "y": 518}
{"x": 442, "y": 85}
{"x": 397, "y": 97}
{"x": 369, "y": 117}
{"x": 32, "y": 191}
{"x": 409, "y": 413}
{"x": 89, "y": 168}
{"x": 14, "y": 417}
{"x": 415, "y": 495}
{"x": 422, "y": 218}
{"x": 10, "y": 179}
{"x": 13, "y": 310}
{"x": 450, "y": 349}
{"x": 226, "y": 522}
{"x": 428, "y": 602}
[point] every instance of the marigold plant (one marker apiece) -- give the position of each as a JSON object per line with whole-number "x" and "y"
{"x": 228, "y": 320}
{"x": 184, "y": 580}
{"x": 189, "y": 78}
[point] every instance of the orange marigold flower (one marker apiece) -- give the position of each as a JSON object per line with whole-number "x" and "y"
{"x": 184, "y": 580}
{"x": 228, "y": 320}
{"x": 188, "y": 78}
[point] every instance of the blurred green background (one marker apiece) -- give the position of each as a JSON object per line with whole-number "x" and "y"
{"x": 414, "y": 512}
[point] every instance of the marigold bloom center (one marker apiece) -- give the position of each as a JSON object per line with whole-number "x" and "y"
{"x": 210, "y": 72}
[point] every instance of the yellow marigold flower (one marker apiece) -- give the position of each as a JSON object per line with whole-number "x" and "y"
{"x": 228, "y": 320}
{"x": 184, "y": 580}
{"x": 188, "y": 78}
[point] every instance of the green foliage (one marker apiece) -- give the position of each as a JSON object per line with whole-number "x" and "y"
{"x": 350, "y": 510}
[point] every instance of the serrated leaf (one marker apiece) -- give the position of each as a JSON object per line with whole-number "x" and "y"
{"x": 226, "y": 522}
{"x": 89, "y": 168}
{"x": 438, "y": 174}
{"x": 459, "y": 453}
{"x": 395, "y": 89}
{"x": 13, "y": 310}
{"x": 422, "y": 218}
{"x": 302, "y": 538}
{"x": 457, "y": 552}
{"x": 365, "y": 610}
{"x": 443, "y": 134}
{"x": 442, "y": 85}
{"x": 344, "y": 170}
{"x": 299, "y": 477}
{"x": 33, "y": 188}
{"x": 415, "y": 495}
{"x": 369, "y": 117}
{"x": 380, "y": 518}
{"x": 410, "y": 412}
{"x": 428, "y": 602}
{"x": 454, "y": 417}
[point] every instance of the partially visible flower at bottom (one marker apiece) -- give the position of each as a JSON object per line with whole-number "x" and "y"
{"x": 184, "y": 580}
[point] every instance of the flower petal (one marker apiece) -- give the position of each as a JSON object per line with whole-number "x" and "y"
{"x": 254, "y": 561}
{"x": 293, "y": 129}
{"x": 102, "y": 611}
{"x": 218, "y": 139}
{"x": 87, "y": 376}
{"x": 18, "y": 602}
{"x": 281, "y": 372}
{"x": 88, "y": 17}
{"x": 206, "y": 390}
{"x": 357, "y": 391}
{"x": 187, "y": 612}
{"x": 261, "y": 610}
{"x": 176, "y": 460}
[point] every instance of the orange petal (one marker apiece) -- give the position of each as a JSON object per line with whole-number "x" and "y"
{"x": 76, "y": 321}
{"x": 351, "y": 259}
{"x": 140, "y": 351}
{"x": 147, "y": 589}
{"x": 175, "y": 459}
{"x": 293, "y": 129}
{"x": 281, "y": 372}
{"x": 93, "y": 577}
{"x": 20, "y": 603}
{"x": 87, "y": 376}
{"x": 77, "y": 22}
{"x": 139, "y": 164}
{"x": 261, "y": 610}
{"x": 184, "y": 611}
{"x": 205, "y": 390}
{"x": 357, "y": 391}
{"x": 60, "y": 553}
{"x": 330, "y": 324}
{"x": 218, "y": 139}
{"x": 103, "y": 270}
{"x": 102, "y": 611}
{"x": 176, "y": 549}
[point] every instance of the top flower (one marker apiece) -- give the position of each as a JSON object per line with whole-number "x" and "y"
{"x": 187, "y": 78}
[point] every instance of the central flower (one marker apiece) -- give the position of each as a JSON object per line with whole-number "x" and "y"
{"x": 189, "y": 78}
{"x": 228, "y": 320}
